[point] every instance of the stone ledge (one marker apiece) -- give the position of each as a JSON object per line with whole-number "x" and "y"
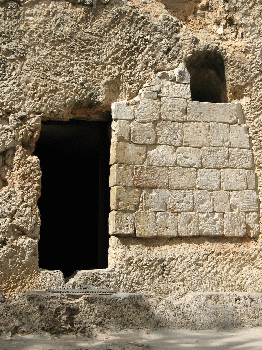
{"x": 86, "y": 314}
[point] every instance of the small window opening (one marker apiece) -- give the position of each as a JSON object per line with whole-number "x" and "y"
{"x": 74, "y": 202}
{"x": 207, "y": 77}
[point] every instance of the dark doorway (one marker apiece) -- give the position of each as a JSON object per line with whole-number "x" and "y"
{"x": 207, "y": 77}
{"x": 74, "y": 202}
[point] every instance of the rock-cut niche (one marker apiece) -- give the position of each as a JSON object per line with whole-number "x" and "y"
{"x": 207, "y": 77}
{"x": 74, "y": 202}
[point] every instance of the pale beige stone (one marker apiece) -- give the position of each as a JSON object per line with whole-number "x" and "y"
{"x": 233, "y": 179}
{"x": 121, "y": 223}
{"x": 251, "y": 180}
{"x": 169, "y": 133}
{"x": 166, "y": 224}
{"x": 211, "y": 224}
{"x": 171, "y": 89}
{"x": 219, "y": 134}
{"x": 152, "y": 95}
{"x": 162, "y": 156}
{"x": 120, "y": 130}
{"x": 124, "y": 198}
{"x": 121, "y": 175}
{"x": 208, "y": 179}
{"x": 173, "y": 109}
{"x": 145, "y": 224}
{"x": 252, "y": 222}
{"x": 203, "y": 201}
{"x": 182, "y": 178}
{"x": 148, "y": 110}
{"x": 239, "y": 136}
{"x": 188, "y": 224}
{"x": 240, "y": 158}
{"x": 122, "y": 152}
{"x": 155, "y": 200}
{"x": 143, "y": 133}
{"x": 215, "y": 157}
{"x": 244, "y": 200}
{"x": 179, "y": 201}
{"x": 234, "y": 224}
{"x": 120, "y": 110}
{"x": 189, "y": 157}
{"x": 221, "y": 201}
{"x": 151, "y": 177}
{"x": 215, "y": 112}
{"x": 196, "y": 134}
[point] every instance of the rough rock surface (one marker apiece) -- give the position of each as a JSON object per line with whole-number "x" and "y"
{"x": 61, "y": 60}
{"x": 89, "y": 314}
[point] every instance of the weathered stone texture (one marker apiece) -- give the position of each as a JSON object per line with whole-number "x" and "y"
{"x": 150, "y": 177}
{"x": 196, "y": 169}
{"x": 62, "y": 61}
{"x": 121, "y": 223}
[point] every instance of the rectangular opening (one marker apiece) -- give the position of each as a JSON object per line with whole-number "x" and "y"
{"x": 74, "y": 202}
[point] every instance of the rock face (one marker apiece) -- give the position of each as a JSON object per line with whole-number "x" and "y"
{"x": 89, "y": 314}
{"x": 62, "y": 60}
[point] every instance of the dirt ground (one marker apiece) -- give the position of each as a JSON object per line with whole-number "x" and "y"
{"x": 246, "y": 339}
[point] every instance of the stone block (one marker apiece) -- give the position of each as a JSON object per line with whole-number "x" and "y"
{"x": 121, "y": 223}
{"x": 252, "y": 224}
{"x": 182, "y": 178}
{"x": 219, "y": 134}
{"x": 171, "y": 89}
{"x": 211, "y": 224}
{"x": 120, "y": 110}
{"x": 173, "y": 109}
{"x": 233, "y": 179}
{"x": 251, "y": 179}
{"x": 155, "y": 200}
{"x": 179, "y": 201}
{"x": 234, "y": 224}
{"x": 149, "y": 94}
{"x": 127, "y": 153}
{"x": 181, "y": 74}
{"x": 124, "y": 198}
{"x": 121, "y": 175}
{"x": 169, "y": 133}
{"x": 188, "y": 224}
{"x": 230, "y": 113}
{"x": 239, "y": 136}
{"x": 120, "y": 130}
{"x": 151, "y": 177}
{"x": 208, "y": 179}
{"x": 240, "y": 158}
{"x": 148, "y": 110}
{"x": 166, "y": 224}
{"x": 244, "y": 201}
{"x": 221, "y": 201}
{"x": 215, "y": 157}
{"x": 203, "y": 201}
{"x": 189, "y": 157}
{"x": 162, "y": 156}
{"x": 143, "y": 133}
{"x": 145, "y": 223}
{"x": 196, "y": 134}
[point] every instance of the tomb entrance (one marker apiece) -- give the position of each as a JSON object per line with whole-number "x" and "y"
{"x": 74, "y": 202}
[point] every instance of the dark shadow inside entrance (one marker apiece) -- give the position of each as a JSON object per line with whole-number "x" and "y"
{"x": 74, "y": 202}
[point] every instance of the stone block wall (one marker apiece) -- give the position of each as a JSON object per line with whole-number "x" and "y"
{"x": 181, "y": 167}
